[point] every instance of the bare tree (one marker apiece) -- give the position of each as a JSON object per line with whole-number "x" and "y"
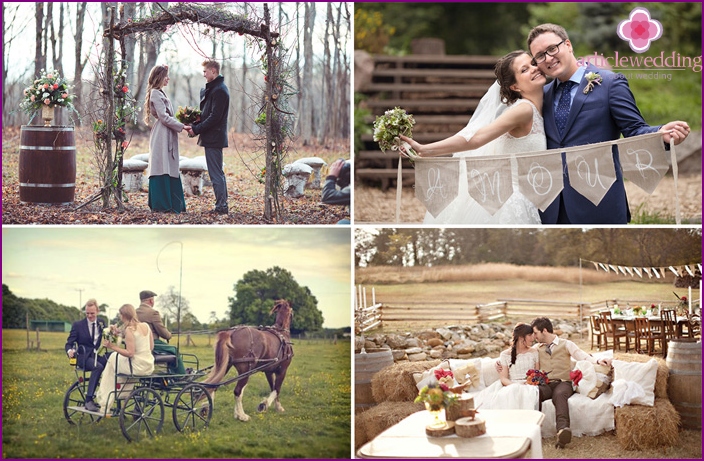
{"x": 306, "y": 90}
{"x": 149, "y": 46}
{"x": 39, "y": 52}
{"x": 80, "y": 61}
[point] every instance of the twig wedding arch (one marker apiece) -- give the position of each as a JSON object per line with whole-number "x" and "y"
{"x": 217, "y": 17}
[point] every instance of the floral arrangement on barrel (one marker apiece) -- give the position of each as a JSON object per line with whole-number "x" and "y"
{"x": 45, "y": 93}
{"x": 388, "y": 128}
{"x": 188, "y": 116}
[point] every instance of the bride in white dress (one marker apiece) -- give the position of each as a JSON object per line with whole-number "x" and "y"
{"x": 511, "y": 392}
{"x": 135, "y": 358}
{"x": 507, "y": 121}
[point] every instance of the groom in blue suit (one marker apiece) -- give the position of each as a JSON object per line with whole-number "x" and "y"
{"x": 575, "y": 118}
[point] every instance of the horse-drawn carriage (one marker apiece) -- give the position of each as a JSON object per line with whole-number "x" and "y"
{"x": 140, "y": 401}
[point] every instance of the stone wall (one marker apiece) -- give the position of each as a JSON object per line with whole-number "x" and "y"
{"x": 459, "y": 341}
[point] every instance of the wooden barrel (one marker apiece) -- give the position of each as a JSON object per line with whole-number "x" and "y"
{"x": 47, "y": 164}
{"x": 365, "y": 366}
{"x": 684, "y": 384}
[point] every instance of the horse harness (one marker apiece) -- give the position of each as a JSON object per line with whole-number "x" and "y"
{"x": 284, "y": 353}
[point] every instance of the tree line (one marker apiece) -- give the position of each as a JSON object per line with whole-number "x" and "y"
{"x": 251, "y": 304}
{"x": 538, "y": 247}
{"x": 321, "y": 83}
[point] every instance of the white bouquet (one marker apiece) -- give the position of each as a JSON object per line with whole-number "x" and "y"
{"x": 111, "y": 333}
{"x": 388, "y": 128}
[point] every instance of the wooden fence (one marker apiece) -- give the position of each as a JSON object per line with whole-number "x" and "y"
{"x": 377, "y": 314}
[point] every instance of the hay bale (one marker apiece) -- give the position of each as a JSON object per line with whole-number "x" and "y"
{"x": 639, "y": 427}
{"x": 376, "y": 420}
{"x": 660, "y": 378}
{"x": 395, "y": 383}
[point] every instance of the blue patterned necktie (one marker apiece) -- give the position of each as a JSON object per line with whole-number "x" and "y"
{"x": 563, "y": 105}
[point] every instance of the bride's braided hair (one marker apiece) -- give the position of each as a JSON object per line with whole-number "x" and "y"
{"x": 521, "y": 330}
{"x": 506, "y": 76}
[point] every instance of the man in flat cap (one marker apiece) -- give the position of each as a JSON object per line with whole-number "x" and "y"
{"x": 147, "y": 314}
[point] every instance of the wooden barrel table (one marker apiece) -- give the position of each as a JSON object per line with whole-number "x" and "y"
{"x": 47, "y": 164}
{"x": 684, "y": 385}
{"x": 365, "y": 366}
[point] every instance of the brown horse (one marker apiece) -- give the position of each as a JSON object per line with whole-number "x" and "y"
{"x": 253, "y": 349}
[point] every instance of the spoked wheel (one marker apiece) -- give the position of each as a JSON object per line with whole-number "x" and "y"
{"x": 192, "y": 408}
{"x": 142, "y": 414}
{"x": 76, "y": 397}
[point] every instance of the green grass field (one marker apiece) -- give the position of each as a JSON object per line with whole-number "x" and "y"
{"x": 316, "y": 395}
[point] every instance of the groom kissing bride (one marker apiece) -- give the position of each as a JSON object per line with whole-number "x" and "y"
{"x": 570, "y": 117}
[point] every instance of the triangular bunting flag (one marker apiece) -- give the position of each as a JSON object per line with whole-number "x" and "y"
{"x": 489, "y": 182}
{"x": 437, "y": 184}
{"x": 591, "y": 172}
{"x": 644, "y": 162}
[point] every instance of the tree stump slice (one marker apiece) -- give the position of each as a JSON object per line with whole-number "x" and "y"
{"x": 468, "y": 427}
{"x": 444, "y": 431}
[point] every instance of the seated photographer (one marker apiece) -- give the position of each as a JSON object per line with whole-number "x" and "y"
{"x": 338, "y": 176}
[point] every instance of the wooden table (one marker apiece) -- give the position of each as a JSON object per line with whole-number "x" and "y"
{"x": 628, "y": 322}
{"x": 508, "y": 435}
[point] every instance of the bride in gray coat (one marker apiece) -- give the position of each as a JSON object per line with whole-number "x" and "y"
{"x": 165, "y": 189}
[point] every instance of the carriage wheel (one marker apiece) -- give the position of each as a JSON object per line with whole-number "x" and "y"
{"x": 142, "y": 414}
{"x": 76, "y": 397}
{"x": 192, "y": 408}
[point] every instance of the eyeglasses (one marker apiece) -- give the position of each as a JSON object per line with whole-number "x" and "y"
{"x": 550, "y": 51}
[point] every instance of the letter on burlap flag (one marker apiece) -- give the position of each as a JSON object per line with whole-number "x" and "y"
{"x": 489, "y": 182}
{"x": 540, "y": 178}
{"x": 437, "y": 183}
{"x": 644, "y": 162}
{"x": 592, "y": 172}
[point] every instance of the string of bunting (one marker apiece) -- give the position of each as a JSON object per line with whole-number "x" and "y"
{"x": 692, "y": 269}
{"x": 540, "y": 174}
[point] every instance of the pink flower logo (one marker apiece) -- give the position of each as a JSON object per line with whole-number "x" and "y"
{"x": 639, "y": 30}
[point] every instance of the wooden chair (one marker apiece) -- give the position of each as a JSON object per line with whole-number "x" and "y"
{"x": 598, "y": 332}
{"x": 668, "y": 328}
{"x": 693, "y": 327}
{"x": 642, "y": 333}
{"x": 616, "y": 333}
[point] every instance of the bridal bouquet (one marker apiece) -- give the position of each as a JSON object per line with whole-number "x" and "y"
{"x": 112, "y": 334}
{"x": 537, "y": 377}
{"x": 188, "y": 116}
{"x": 388, "y": 128}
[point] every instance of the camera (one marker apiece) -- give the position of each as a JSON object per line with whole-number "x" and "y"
{"x": 343, "y": 179}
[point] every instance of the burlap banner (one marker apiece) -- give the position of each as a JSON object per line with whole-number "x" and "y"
{"x": 643, "y": 162}
{"x": 489, "y": 182}
{"x": 591, "y": 171}
{"x": 437, "y": 184}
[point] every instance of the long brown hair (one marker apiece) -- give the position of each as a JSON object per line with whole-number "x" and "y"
{"x": 156, "y": 81}
{"x": 506, "y": 76}
{"x": 520, "y": 331}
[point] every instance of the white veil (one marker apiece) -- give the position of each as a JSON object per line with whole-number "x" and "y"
{"x": 489, "y": 108}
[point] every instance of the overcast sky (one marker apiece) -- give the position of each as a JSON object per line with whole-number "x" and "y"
{"x": 113, "y": 264}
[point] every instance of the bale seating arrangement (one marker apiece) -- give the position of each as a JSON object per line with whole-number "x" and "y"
{"x": 655, "y": 423}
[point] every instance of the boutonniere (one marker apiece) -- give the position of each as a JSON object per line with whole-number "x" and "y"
{"x": 592, "y": 78}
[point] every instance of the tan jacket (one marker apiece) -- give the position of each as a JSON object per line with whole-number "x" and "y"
{"x": 557, "y": 365}
{"x": 147, "y": 314}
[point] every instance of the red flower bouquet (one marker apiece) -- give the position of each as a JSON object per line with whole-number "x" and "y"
{"x": 537, "y": 377}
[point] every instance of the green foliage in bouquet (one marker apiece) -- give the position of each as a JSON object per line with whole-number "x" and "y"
{"x": 188, "y": 115}
{"x": 388, "y": 128}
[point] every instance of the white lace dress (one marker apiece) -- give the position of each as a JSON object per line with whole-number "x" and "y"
{"x": 519, "y": 396}
{"x": 517, "y": 209}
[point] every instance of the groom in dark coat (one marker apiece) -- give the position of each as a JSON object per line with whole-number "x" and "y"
{"x": 212, "y": 128}
{"x": 601, "y": 114}
{"x": 83, "y": 342}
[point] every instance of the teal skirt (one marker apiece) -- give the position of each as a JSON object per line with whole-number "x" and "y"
{"x": 166, "y": 194}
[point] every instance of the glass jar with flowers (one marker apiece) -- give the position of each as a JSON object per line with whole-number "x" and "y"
{"x": 50, "y": 90}
{"x": 437, "y": 396}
